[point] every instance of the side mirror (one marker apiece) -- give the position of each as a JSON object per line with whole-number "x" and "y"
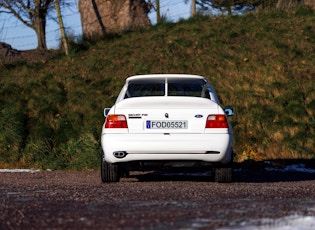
{"x": 229, "y": 111}
{"x": 106, "y": 111}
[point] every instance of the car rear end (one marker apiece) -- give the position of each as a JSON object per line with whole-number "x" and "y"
{"x": 168, "y": 128}
{"x": 139, "y": 129}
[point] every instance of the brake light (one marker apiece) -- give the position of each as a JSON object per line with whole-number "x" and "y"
{"x": 116, "y": 121}
{"x": 217, "y": 121}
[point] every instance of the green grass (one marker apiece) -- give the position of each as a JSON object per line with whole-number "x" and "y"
{"x": 261, "y": 64}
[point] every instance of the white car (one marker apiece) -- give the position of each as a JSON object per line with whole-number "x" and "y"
{"x": 166, "y": 120}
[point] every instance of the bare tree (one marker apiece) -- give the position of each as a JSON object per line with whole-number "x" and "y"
{"x": 32, "y": 13}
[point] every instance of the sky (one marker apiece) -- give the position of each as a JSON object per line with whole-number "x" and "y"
{"x": 21, "y": 37}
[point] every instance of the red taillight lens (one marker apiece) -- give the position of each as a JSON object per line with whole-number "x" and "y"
{"x": 116, "y": 121}
{"x": 217, "y": 121}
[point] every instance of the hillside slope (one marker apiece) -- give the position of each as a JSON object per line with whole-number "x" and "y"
{"x": 261, "y": 64}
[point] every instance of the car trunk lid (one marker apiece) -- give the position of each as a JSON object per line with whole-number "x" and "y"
{"x": 166, "y": 114}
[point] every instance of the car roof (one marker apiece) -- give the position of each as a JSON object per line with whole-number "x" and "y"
{"x": 161, "y": 76}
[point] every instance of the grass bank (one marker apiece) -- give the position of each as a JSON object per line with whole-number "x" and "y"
{"x": 51, "y": 112}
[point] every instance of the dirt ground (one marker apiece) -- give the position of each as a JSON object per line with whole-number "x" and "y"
{"x": 163, "y": 200}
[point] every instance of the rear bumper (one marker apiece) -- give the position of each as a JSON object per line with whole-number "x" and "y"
{"x": 214, "y": 148}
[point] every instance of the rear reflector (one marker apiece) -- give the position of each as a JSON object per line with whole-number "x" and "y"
{"x": 217, "y": 121}
{"x": 116, "y": 121}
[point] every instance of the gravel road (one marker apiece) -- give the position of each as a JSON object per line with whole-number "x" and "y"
{"x": 172, "y": 200}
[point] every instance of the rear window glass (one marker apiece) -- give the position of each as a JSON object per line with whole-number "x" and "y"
{"x": 145, "y": 89}
{"x": 190, "y": 88}
{"x": 176, "y": 87}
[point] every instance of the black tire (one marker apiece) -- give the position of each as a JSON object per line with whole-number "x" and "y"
{"x": 109, "y": 171}
{"x": 223, "y": 175}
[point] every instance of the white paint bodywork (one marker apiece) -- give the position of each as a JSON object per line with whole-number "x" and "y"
{"x": 196, "y": 143}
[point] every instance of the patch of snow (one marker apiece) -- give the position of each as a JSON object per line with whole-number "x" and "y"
{"x": 19, "y": 170}
{"x": 285, "y": 223}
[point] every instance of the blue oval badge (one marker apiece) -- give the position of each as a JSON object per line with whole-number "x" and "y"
{"x": 198, "y": 116}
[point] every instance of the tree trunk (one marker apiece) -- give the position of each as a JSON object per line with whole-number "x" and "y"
{"x": 158, "y": 13}
{"x": 193, "y": 8}
{"x": 40, "y": 29}
{"x": 62, "y": 28}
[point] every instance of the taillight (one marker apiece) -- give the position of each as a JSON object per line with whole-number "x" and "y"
{"x": 217, "y": 121}
{"x": 116, "y": 121}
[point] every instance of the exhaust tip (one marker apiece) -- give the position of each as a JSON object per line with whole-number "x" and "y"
{"x": 120, "y": 154}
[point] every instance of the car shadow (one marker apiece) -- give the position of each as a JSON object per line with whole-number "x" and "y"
{"x": 175, "y": 175}
{"x": 245, "y": 172}
{"x": 280, "y": 170}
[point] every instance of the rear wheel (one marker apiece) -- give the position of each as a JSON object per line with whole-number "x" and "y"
{"x": 109, "y": 171}
{"x": 224, "y": 174}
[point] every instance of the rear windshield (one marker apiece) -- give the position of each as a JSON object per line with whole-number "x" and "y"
{"x": 175, "y": 87}
{"x": 190, "y": 88}
{"x": 145, "y": 89}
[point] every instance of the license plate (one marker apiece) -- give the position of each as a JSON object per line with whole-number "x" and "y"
{"x": 156, "y": 124}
